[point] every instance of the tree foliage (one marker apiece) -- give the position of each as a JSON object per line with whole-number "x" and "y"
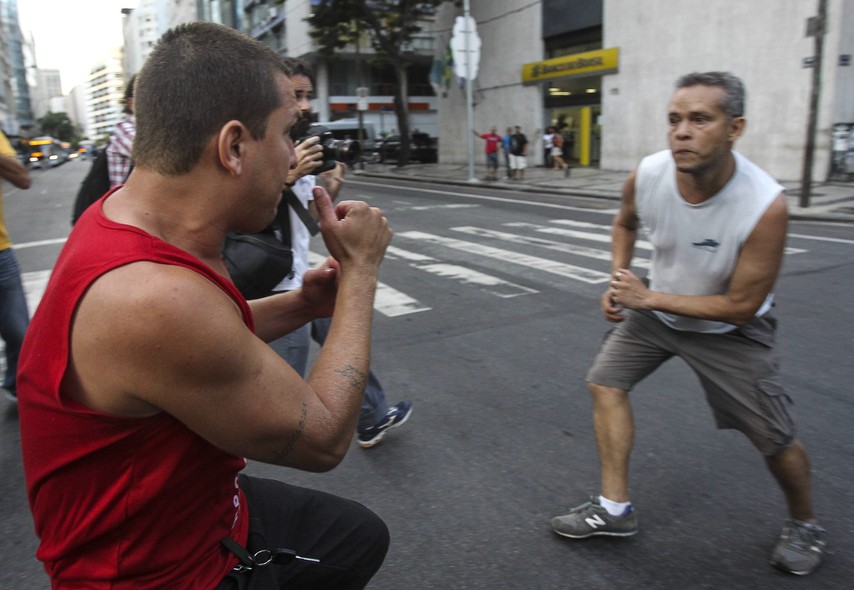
{"x": 58, "y": 125}
{"x": 391, "y": 26}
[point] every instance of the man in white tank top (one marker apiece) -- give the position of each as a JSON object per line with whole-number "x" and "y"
{"x": 717, "y": 223}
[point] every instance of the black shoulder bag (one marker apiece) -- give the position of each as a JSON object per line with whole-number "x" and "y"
{"x": 258, "y": 262}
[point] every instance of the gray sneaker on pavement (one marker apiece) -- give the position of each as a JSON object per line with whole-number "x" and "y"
{"x": 800, "y": 548}
{"x": 591, "y": 519}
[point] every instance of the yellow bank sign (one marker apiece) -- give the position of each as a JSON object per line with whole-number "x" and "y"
{"x": 601, "y": 61}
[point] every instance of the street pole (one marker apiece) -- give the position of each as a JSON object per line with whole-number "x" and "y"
{"x": 469, "y": 107}
{"x": 361, "y": 83}
{"x": 809, "y": 148}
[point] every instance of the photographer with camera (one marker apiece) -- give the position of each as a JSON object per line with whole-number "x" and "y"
{"x": 376, "y": 417}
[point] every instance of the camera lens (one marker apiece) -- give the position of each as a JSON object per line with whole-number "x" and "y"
{"x": 342, "y": 150}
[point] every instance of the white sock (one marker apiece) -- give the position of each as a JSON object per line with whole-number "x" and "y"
{"x": 613, "y": 508}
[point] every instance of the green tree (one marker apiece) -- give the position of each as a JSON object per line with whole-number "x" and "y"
{"x": 58, "y": 125}
{"x": 391, "y": 25}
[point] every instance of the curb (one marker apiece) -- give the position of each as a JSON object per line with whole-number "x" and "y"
{"x": 794, "y": 214}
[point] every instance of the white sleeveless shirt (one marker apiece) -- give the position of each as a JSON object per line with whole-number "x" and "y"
{"x": 696, "y": 247}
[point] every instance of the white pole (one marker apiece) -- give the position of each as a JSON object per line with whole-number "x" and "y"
{"x": 469, "y": 107}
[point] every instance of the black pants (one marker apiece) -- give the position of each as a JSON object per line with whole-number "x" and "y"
{"x": 349, "y": 540}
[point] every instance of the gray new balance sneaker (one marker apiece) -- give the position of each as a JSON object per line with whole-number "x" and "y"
{"x": 800, "y": 548}
{"x": 592, "y": 519}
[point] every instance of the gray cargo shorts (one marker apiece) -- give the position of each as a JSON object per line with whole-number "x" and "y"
{"x": 739, "y": 372}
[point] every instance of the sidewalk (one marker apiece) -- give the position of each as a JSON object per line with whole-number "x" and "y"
{"x": 831, "y": 201}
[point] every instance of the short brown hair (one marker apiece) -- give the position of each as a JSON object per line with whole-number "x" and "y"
{"x": 129, "y": 95}
{"x": 200, "y": 76}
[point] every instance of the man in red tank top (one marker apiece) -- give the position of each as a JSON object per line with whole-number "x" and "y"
{"x": 146, "y": 381}
{"x": 493, "y": 142}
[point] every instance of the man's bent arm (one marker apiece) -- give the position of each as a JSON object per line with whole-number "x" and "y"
{"x": 624, "y": 230}
{"x": 15, "y": 172}
{"x": 282, "y": 313}
{"x": 177, "y": 344}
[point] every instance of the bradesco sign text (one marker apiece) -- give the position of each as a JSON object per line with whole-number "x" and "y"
{"x": 601, "y": 61}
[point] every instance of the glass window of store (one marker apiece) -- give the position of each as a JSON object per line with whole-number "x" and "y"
{"x": 573, "y": 104}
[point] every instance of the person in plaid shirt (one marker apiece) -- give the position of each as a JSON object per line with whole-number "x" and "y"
{"x": 119, "y": 158}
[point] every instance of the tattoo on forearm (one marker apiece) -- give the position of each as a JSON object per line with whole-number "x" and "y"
{"x": 354, "y": 376}
{"x": 294, "y": 437}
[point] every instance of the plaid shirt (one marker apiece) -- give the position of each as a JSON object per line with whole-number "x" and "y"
{"x": 119, "y": 151}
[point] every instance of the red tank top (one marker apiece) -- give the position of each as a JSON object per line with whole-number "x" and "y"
{"x": 119, "y": 502}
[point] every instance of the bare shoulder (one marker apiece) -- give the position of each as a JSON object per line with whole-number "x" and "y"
{"x": 778, "y": 209}
{"x": 774, "y": 222}
{"x": 146, "y": 297}
{"x": 145, "y": 322}
{"x": 627, "y": 214}
{"x": 628, "y": 192}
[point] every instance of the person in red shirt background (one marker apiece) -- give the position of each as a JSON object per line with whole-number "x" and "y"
{"x": 493, "y": 140}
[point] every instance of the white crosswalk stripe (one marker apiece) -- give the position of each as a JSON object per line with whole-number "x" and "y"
{"x": 602, "y": 238}
{"x": 565, "y": 248}
{"x": 462, "y": 260}
{"x": 34, "y": 284}
{"x": 461, "y": 274}
{"x": 533, "y": 262}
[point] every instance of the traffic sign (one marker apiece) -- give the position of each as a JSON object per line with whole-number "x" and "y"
{"x": 361, "y": 99}
{"x": 465, "y": 50}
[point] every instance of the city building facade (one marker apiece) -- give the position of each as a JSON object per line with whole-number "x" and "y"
{"x": 48, "y": 87}
{"x": 105, "y": 88}
{"x": 606, "y": 68}
{"x": 602, "y": 70}
{"x": 75, "y": 107}
{"x": 350, "y": 83}
{"x": 7, "y": 99}
{"x": 16, "y": 113}
{"x": 140, "y": 30}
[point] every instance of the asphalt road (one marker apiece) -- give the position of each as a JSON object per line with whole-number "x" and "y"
{"x": 487, "y": 320}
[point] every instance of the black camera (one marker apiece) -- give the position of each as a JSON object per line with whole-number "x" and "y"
{"x": 335, "y": 150}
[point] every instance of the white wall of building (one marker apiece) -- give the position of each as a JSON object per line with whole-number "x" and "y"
{"x": 761, "y": 41}
{"x": 171, "y": 13}
{"x": 843, "y": 101}
{"x": 299, "y": 41}
{"x": 56, "y": 104}
{"x": 141, "y": 30}
{"x": 75, "y": 104}
{"x": 49, "y": 85}
{"x": 511, "y": 35}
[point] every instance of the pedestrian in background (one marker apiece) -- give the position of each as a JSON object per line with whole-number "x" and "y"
{"x": 548, "y": 145}
{"x": 557, "y": 152}
{"x": 14, "y": 315}
{"x": 120, "y": 146}
{"x": 505, "y": 146}
{"x": 717, "y": 224}
{"x": 518, "y": 151}
{"x": 568, "y": 143}
{"x": 493, "y": 143}
{"x": 146, "y": 383}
